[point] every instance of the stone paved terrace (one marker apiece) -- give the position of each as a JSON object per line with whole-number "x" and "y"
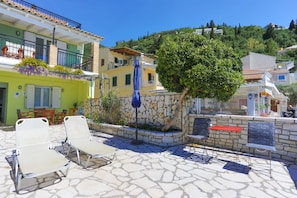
{"x": 151, "y": 171}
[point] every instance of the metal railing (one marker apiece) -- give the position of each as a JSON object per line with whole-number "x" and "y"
{"x": 75, "y": 60}
{"x": 113, "y": 65}
{"x": 20, "y": 48}
{"x": 69, "y": 22}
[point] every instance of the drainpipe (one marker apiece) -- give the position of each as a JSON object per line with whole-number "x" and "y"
{"x": 54, "y": 30}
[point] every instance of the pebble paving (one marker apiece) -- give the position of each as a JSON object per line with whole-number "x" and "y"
{"x": 146, "y": 170}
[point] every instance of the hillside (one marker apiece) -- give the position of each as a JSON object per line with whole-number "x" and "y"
{"x": 243, "y": 39}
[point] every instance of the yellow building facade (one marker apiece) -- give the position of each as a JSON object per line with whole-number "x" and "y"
{"x": 116, "y": 69}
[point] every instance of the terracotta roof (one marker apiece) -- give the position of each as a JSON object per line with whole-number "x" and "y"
{"x": 253, "y": 74}
{"x": 253, "y": 77}
{"x": 253, "y": 71}
{"x": 127, "y": 51}
{"x": 47, "y": 17}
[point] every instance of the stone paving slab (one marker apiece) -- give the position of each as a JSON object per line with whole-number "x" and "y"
{"x": 151, "y": 171}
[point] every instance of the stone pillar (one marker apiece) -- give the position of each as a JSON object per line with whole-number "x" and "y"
{"x": 95, "y": 54}
{"x": 53, "y": 55}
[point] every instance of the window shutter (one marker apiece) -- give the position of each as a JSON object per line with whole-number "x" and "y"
{"x": 29, "y": 97}
{"x": 56, "y": 97}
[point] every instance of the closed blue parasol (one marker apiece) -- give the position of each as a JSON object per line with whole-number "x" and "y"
{"x": 136, "y": 78}
{"x": 136, "y": 102}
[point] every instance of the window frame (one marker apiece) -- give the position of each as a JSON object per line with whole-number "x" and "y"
{"x": 128, "y": 79}
{"x": 54, "y": 97}
{"x": 281, "y": 79}
{"x": 114, "y": 81}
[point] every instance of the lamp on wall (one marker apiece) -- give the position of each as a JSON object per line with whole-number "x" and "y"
{"x": 20, "y": 87}
{"x": 17, "y": 33}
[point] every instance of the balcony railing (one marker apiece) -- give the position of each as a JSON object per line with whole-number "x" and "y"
{"x": 17, "y": 48}
{"x": 113, "y": 65}
{"x": 33, "y": 7}
{"x": 75, "y": 60}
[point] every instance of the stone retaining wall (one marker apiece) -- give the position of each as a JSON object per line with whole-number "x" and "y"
{"x": 285, "y": 130}
{"x": 286, "y": 135}
{"x": 164, "y": 139}
{"x": 156, "y": 109}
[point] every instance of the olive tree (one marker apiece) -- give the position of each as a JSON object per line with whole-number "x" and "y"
{"x": 195, "y": 66}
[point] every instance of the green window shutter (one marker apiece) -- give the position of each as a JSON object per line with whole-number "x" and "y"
{"x": 128, "y": 79}
{"x": 114, "y": 81}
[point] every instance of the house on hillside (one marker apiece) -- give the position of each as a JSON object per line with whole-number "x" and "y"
{"x": 117, "y": 67}
{"x": 279, "y": 70}
{"x": 259, "y": 94}
{"x": 27, "y": 30}
{"x": 208, "y": 31}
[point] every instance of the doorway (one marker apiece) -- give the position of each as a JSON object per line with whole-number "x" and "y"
{"x": 2, "y": 105}
{"x": 42, "y": 49}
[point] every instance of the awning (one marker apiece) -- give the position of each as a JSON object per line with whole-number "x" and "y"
{"x": 266, "y": 93}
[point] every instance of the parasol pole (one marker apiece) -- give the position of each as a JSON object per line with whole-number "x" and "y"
{"x": 136, "y": 133}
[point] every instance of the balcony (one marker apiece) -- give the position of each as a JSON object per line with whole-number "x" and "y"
{"x": 121, "y": 63}
{"x": 13, "y": 49}
{"x": 75, "y": 60}
{"x": 44, "y": 13}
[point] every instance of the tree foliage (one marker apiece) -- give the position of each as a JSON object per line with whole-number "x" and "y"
{"x": 237, "y": 37}
{"x": 208, "y": 67}
{"x": 243, "y": 39}
{"x": 290, "y": 91}
{"x": 111, "y": 107}
{"x": 195, "y": 66}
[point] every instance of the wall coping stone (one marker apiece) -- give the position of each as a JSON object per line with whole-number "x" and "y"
{"x": 170, "y": 138}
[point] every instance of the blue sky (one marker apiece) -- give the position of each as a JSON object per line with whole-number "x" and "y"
{"x": 117, "y": 20}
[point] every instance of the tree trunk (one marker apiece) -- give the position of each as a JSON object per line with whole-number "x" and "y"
{"x": 177, "y": 110}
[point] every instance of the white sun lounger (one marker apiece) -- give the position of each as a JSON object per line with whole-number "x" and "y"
{"x": 34, "y": 155}
{"x": 78, "y": 136}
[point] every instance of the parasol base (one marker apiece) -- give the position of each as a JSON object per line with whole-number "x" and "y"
{"x": 136, "y": 142}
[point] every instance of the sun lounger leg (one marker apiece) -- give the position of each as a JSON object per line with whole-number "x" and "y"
{"x": 87, "y": 163}
{"x": 78, "y": 157}
{"x": 17, "y": 178}
{"x": 109, "y": 159}
{"x": 65, "y": 172}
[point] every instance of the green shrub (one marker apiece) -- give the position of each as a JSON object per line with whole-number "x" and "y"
{"x": 32, "y": 62}
{"x": 111, "y": 108}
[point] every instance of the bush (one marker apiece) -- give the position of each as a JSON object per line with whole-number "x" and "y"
{"x": 111, "y": 108}
{"x": 32, "y": 62}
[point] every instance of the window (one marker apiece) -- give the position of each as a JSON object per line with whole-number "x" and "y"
{"x": 116, "y": 60}
{"x": 114, "y": 81}
{"x": 42, "y": 97}
{"x": 102, "y": 62}
{"x": 150, "y": 78}
{"x": 128, "y": 79}
{"x": 281, "y": 77}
